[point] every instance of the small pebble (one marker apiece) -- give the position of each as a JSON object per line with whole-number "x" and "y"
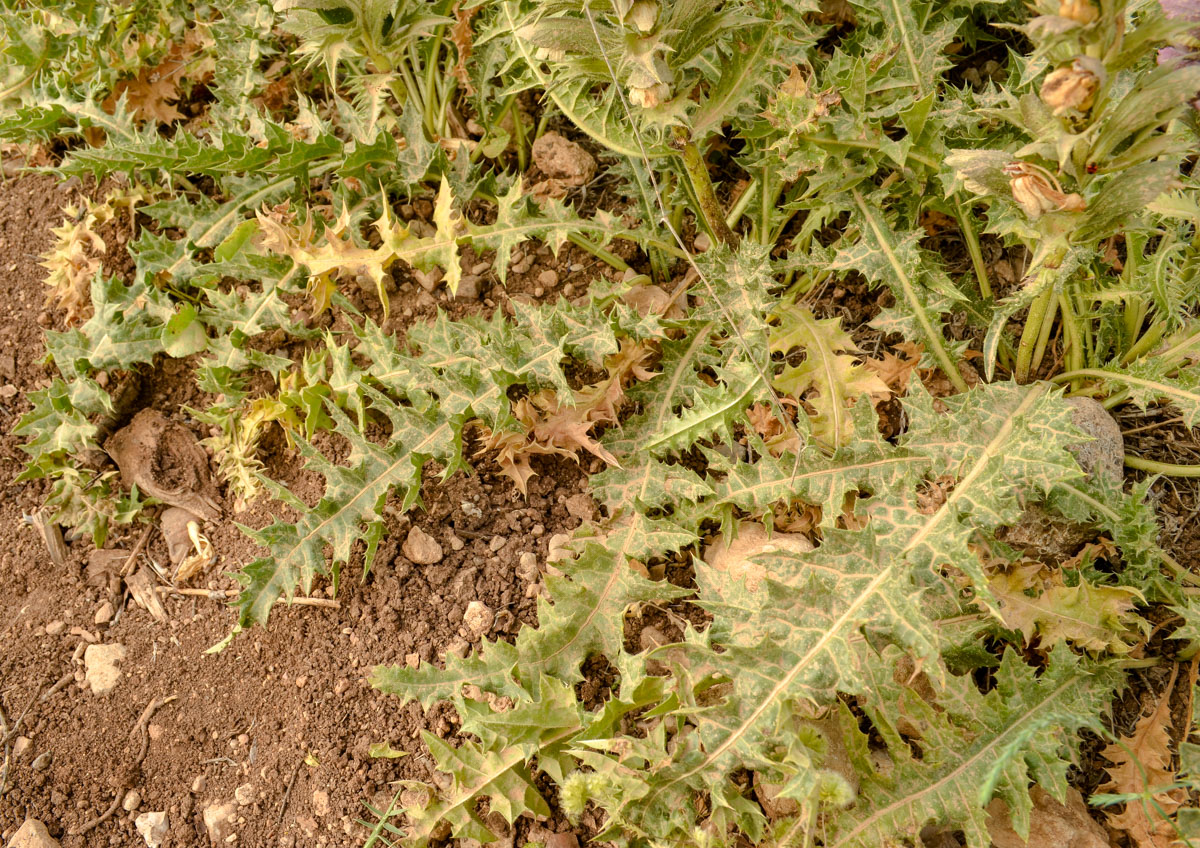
{"x": 42, "y": 762}
{"x": 538, "y": 291}
{"x": 480, "y": 268}
{"x": 422, "y": 548}
{"x": 478, "y": 618}
{"x": 527, "y": 568}
{"x": 105, "y": 613}
{"x": 198, "y": 784}
{"x": 568, "y": 290}
{"x": 537, "y": 530}
{"x": 133, "y": 800}
{"x": 244, "y": 794}
{"x": 301, "y": 681}
{"x": 340, "y": 687}
{"x": 459, "y": 648}
{"x": 320, "y": 803}
{"x": 497, "y": 543}
{"x": 55, "y": 627}
{"x": 548, "y": 278}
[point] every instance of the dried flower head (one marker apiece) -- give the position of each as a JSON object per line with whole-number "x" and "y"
{"x": 650, "y": 96}
{"x": 1073, "y": 88}
{"x": 643, "y": 15}
{"x": 1037, "y": 191}
{"x": 1081, "y": 12}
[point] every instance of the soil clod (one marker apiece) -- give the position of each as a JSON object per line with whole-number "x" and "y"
{"x": 164, "y": 459}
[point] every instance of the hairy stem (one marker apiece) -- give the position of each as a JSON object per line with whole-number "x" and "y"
{"x": 599, "y": 252}
{"x": 1031, "y": 333}
{"x": 1039, "y": 352}
{"x": 706, "y": 197}
{"x": 971, "y": 238}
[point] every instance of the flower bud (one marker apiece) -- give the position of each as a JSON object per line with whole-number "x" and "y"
{"x": 1081, "y": 12}
{"x": 650, "y": 96}
{"x": 1037, "y": 192}
{"x": 1074, "y": 88}
{"x": 643, "y": 15}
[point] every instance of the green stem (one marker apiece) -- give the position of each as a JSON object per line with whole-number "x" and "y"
{"x": 1031, "y": 332}
{"x": 1146, "y": 662}
{"x": 431, "y": 69}
{"x": 1074, "y": 344}
{"x": 708, "y": 205}
{"x": 739, "y": 206}
{"x": 1039, "y": 352}
{"x": 599, "y": 252}
{"x": 410, "y": 85}
{"x": 972, "y": 240}
{"x": 768, "y": 201}
{"x": 1181, "y": 347}
{"x": 1170, "y": 469}
{"x": 1149, "y": 339}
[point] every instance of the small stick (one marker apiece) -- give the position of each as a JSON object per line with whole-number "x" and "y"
{"x": 143, "y": 725}
{"x": 218, "y": 594}
{"x": 58, "y": 684}
{"x": 287, "y": 793}
{"x": 102, "y": 818}
{"x": 127, "y": 568}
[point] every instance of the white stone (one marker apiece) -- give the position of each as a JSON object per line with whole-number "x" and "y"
{"x": 478, "y": 618}
{"x": 153, "y": 827}
{"x": 33, "y": 834}
{"x": 219, "y": 821}
{"x": 100, "y": 664}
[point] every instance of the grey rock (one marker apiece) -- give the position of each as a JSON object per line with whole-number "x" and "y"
{"x": 1104, "y": 456}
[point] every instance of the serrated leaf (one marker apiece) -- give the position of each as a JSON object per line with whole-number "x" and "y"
{"x": 829, "y": 368}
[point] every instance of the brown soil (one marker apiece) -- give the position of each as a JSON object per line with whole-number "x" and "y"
{"x": 285, "y": 709}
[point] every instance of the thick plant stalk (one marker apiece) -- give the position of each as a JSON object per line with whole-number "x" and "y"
{"x": 1039, "y": 351}
{"x": 710, "y": 207}
{"x": 1031, "y": 333}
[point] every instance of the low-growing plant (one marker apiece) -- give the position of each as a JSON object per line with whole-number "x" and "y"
{"x": 906, "y": 670}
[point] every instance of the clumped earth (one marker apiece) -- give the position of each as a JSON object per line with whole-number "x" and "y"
{"x": 279, "y": 728}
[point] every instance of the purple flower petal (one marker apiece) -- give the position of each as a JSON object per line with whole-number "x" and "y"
{"x": 1188, "y": 10}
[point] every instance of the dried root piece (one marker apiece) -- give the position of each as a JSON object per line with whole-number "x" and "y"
{"x": 190, "y": 550}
